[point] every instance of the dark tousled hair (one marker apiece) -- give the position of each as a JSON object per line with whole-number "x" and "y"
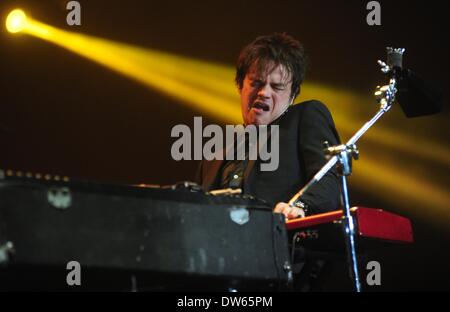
{"x": 279, "y": 48}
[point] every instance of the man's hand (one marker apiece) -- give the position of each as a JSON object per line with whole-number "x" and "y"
{"x": 290, "y": 212}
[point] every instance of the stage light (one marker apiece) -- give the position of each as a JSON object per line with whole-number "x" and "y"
{"x": 16, "y": 21}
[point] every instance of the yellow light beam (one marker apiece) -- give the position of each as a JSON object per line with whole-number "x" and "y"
{"x": 415, "y": 195}
{"x": 155, "y": 69}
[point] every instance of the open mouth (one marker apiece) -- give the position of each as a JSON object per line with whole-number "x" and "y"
{"x": 261, "y": 106}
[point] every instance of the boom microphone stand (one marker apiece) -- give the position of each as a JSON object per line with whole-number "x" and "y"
{"x": 342, "y": 156}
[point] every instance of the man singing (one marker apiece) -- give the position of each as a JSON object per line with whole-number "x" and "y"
{"x": 269, "y": 73}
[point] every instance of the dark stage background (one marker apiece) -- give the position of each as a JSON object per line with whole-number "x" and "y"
{"x": 63, "y": 114}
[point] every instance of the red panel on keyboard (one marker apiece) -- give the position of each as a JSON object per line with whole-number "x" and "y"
{"x": 377, "y": 223}
{"x": 374, "y": 223}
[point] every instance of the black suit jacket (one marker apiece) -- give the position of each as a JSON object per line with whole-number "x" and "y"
{"x": 302, "y": 131}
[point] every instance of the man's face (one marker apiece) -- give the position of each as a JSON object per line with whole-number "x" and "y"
{"x": 265, "y": 94}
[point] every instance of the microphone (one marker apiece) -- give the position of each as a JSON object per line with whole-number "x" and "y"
{"x": 415, "y": 96}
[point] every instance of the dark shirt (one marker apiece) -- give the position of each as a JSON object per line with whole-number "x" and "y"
{"x": 232, "y": 172}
